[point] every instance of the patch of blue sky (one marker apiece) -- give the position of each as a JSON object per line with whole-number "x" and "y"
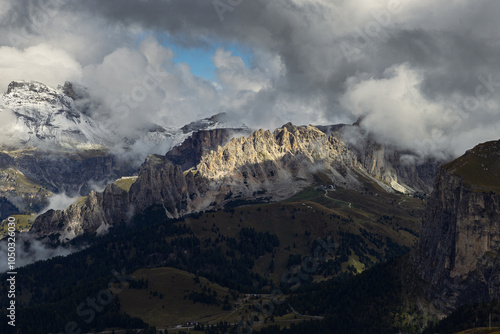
{"x": 199, "y": 58}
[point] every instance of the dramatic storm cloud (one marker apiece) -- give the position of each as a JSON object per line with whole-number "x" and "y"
{"x": 423, "y": 73}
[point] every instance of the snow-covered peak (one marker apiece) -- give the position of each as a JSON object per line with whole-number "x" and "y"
{"x": 45, "y": 117}
{"x": 33, "y": 115}
{"x": 29, "y": 92}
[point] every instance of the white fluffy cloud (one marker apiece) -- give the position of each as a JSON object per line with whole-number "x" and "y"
{"x": 7, "y": 118}
{"x": 143, "y": 85}
{"x": 234, "y": 75}
{"x": 396, "y": 112}
{"x": 42, "y": 62}
{"x": 393, "y": 107}
{"x": 59, "y": 202}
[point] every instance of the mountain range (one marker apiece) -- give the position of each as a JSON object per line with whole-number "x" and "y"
{"x": 411, "y": 239}
{"x": 264, "y": 166}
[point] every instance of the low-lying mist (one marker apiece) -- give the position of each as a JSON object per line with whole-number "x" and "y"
{"x": 30, "y": 250}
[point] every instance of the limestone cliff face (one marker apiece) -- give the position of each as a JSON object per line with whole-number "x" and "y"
{"x": 459, "y": 248}
{"x": 158, "y": 182}
{"x": 266, "y": 165}
{"x": 401, "y": 170}
{"x": 279, "y": 162}
{"x": 274, "y": 165}
{"x": 295, "y": 153}
{"x": 95, "y": 215}
{"x": 190, "y": 152}
{"x": 161, "y": 182}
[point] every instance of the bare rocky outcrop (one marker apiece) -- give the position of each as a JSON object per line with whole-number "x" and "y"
{"x": 161, "y": 182}
{"x": 402, "y": 170}
{"x": 265, "y": 166}
{"x": 296, "y": 153}
{"x": 97, "y": 212}
{"x": 280, "y": 162}
{"x": 189, "y": 153}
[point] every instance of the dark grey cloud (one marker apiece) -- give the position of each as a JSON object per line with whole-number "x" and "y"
{"x": 325, "y": 57}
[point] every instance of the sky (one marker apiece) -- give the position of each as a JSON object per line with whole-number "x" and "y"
{"x": 200, "y": 60}
{"x": 424, "y": 74}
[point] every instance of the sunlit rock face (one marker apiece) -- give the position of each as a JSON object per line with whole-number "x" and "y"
{"x": 214, "y": 167}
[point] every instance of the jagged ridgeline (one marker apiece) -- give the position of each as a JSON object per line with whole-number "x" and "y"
{"x": 218, "y": 168}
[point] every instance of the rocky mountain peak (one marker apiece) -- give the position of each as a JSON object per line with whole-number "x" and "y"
{"x": 190, "y": 152}
{"x": 27, "y": 93}
{"x": 276, "y": 158}
{"x": 69, "y": 90}
{"x": 33, "y": 91}
{"x": 30, "y": 86}
{"x": 306, "y": 132}
{"x": 214, "y": 167}
{"x": 44, "y": 117}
